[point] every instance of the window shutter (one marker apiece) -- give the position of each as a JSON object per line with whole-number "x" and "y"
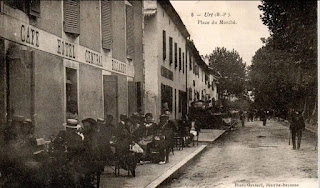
{"x": 175, "y": 55}
{"x": 164, "y": 45}
{"x": 190, "y": 62}
{"x": 180, "y": 67}
{"x": 129, "y": 31}
{"x": 182, "y": 62}
{"x": 71, "y": 16}
{"x": 170, "y": 50}
{"x": 34, "y": 8}
{"x": 106, "y": 24}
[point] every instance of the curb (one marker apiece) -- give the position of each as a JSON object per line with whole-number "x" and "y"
{"x": 210, "y": 141}
{"x": 174, "y": 171}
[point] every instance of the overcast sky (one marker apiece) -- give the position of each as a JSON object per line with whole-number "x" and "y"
{"x": 244, "y": 36}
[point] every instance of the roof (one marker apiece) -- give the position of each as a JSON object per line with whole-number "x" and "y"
{"x": 168, "y": 8}
{"x": 196, "y": 55}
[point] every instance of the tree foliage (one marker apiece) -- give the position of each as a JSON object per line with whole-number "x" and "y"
{"x": 284, "y": 70}
{"x": 230, "y": 67}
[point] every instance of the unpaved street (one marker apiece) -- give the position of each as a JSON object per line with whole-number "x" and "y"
{"x": 254, "y": 156}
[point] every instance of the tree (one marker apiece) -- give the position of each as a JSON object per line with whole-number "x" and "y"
{"x": 284, "y": 71}
{"x": 230, "y": 67}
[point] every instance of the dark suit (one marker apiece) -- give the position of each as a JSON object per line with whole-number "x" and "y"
{"x": 297, "y": 125}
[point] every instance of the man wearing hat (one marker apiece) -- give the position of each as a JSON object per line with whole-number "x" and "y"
{"x": 106, "y": 133}
{"x": 69, "y": 150}
{"x": 297, "y": 126}
{"x": 69, "y": 140}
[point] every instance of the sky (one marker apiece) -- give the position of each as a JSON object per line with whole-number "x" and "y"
{"x": 244, "y": 36}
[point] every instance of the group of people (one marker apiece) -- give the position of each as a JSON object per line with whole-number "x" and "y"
{"x": 83, "y": 148}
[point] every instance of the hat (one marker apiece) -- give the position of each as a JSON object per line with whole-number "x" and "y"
{"x": 135, "y": 115}
{"x": 101, "y": 120}
{"x": 72, "y": 123}
{"x": 149, "y": 115}
{"x": 123, "y": 117}
{"x": 18, "y": 118}
{"x": 90, "y": 120}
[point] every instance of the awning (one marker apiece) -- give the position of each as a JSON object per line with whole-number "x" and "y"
{"x": 150, "y": 7}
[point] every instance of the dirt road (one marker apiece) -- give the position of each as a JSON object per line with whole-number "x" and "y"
{"x": 254, "y": 156}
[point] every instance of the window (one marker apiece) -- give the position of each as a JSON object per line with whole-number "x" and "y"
{"x": 129, "y": 31}
{"x": 106, "y": 24}
{"x": 71, "y": 16}
{"x": 32, "y": 7}
{"x": 71, "y": 93}
{"x": 170, "y": 51}
{"x": 183, "y": 62}
{"x": 190, "y": 62}
{"x": 180, "y": 67}
{"x": 166, "y": 97}
{"x": 164, "y": 45}
{"x": 175, "y": 55}
{"x": 175, "y": 103}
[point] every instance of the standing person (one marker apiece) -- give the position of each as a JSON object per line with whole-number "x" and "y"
{"x": 297, "y": 125}
{"x": 242, "y": 117}
{"x": 263, "y": 117}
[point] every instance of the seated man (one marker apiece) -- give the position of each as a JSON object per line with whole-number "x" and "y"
{"x": 185, "y": 130}
{"x": 163, "y": 139}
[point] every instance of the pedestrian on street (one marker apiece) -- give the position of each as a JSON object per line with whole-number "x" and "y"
{"x": 242, "y": 117}
{"x": 297, "y": 125}
{"x": 263, "y": 117}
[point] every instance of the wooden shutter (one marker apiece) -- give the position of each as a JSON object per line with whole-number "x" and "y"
{"x": 129, "y": 31}
{"x": 164, "y": 45}
{"x": 71, "y": 16}
{"x": 170, "y": 50}
{"x": 175, "y": 55}
{"x": 106, "y": 24}
{"x": 34, "y": 8}
{"x": 183, "y": 62}
{"x": 180, "y": 67}
{"x": 190, "y": 62}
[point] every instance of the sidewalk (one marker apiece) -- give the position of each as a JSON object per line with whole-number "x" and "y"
{"x": 152, "y": 175}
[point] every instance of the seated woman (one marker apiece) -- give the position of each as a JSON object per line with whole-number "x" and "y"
{"x": 149, "y": 129}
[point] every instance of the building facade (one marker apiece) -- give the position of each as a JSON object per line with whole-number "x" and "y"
{"x": 61, "y": 55}
{"x": 201, "y": 83}
{"x": 165, "y": 59}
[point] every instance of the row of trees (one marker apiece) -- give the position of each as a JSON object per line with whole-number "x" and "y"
{"x": 231, "y": 70}
{"x": 284, "y": 71}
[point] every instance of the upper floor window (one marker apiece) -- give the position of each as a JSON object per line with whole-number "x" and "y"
{"x": 164, "y": 45}
{"x": 190, "y": 62}
{"x": 180, "y": 65}
{"x": 129, "y": 30}
{"x": 71, "y": 16}
{"x": 175, "y": 55}
{"x": 106, "y": 24}
{"x": 183, "y": 62}
{"x": 31, "y": 7}
{"x": 170, "y": 50}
